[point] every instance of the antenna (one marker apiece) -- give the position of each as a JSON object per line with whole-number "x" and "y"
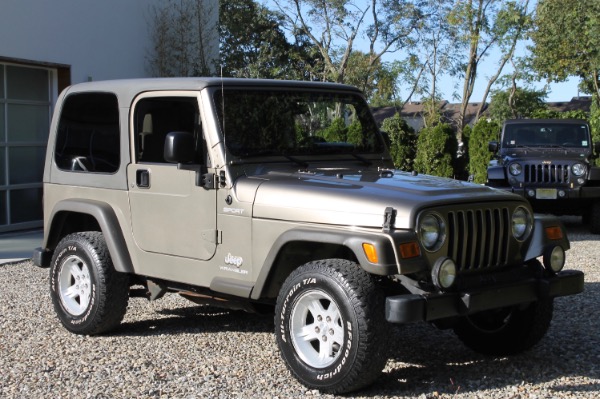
{"x": 223, "y": 115}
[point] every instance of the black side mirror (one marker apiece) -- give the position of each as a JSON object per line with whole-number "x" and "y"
{"x": 597, "y": 148}
{"x": 493, "y": 146}
{"x": 179, "y": 147}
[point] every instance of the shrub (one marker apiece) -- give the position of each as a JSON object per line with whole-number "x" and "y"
{"x": 436, "y": 151}
{"x": 402, "y": 140}
{"x": 483, "y": 132}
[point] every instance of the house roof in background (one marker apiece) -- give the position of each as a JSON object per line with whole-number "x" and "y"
{"x": 451, "y": 111}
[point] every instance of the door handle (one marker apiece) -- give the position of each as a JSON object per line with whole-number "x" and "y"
{"x": 142, "y": 178}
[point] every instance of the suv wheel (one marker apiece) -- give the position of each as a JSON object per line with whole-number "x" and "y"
{"x": 329, "y": 324}
{"x": 595, "y": 218}
{"x": 89, "y": 296}
{"x": 506, "y": 331}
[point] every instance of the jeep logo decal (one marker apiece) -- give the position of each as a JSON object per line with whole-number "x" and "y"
{"x": 234, "y": 260}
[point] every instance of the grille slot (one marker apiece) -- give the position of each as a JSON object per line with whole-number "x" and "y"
{"x": 478, "y": 238}
{"x": 540, "y": 173}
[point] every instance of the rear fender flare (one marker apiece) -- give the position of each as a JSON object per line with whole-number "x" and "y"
{"x": 104, "y": 214}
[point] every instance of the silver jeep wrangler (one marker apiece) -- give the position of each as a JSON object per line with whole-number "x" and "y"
{"x": 254, "y": 194}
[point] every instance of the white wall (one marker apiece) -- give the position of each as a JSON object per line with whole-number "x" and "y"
{"x": 101, "y": 39}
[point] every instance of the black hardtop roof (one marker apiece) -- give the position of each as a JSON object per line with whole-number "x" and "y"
{"x": 541, "y": 121}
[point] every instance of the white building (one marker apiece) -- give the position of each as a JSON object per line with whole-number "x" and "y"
{"x": 46, "y": 46}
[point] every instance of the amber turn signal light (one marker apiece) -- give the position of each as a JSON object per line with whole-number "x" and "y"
{"x": 554, "y": 233}
{"x": 370, "y": 252}
{"x": 409, "y": 250}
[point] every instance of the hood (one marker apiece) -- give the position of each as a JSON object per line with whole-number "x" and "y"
{"x": 541, "y": 153}
{"x": 355, "y": 198}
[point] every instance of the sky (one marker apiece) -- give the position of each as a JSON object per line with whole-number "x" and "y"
{"x": 557, "y": 92}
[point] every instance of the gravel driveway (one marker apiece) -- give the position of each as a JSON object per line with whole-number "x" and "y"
{"x": 173, "y": 348}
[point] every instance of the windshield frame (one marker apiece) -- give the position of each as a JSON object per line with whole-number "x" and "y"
{"x": 547, "y": 134}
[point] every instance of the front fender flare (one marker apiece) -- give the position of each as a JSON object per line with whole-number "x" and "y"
{"x": 353, "y": 240}
{"x": 540, "y": 242}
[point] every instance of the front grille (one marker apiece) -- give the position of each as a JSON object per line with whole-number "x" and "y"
{"x": 540, "y": 173}
{"x": 479, "y": 238}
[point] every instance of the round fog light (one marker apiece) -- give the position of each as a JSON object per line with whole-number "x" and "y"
{"x": 444, "y": 273}
{"x": 554, "y": 259}
{"x": 561, "y": 193}
{"x": 531, "y": 193}
{"x": 581, "y": 180}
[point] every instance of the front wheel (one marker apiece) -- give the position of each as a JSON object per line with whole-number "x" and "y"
{"x": 329, "y": 326}
{"x": 89, "y": 296}
{"x": 506, "y": 331}
{"x": 595, "y": 218}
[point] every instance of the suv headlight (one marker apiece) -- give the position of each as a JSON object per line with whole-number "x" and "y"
{"x": 522, "y": 223}
{"x": 515, "y": 169}
{"x": 432, "y": 231}
{"x": 578, "y": 169}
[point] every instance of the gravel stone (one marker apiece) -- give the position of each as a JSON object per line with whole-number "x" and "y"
{"x": 173, "y": 348}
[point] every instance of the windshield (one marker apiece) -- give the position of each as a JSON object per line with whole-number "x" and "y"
{"x": 546, "y": 135}
{"x": 280, "y": 122}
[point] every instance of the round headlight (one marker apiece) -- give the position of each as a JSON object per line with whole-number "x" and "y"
{"x": 444, "y": 273}
{"x": 521, "y": 223}
{"x": 554, "y": 259}
{"x": 578, "y": 169}
{"x": 432, "y": 232}
{"x": 515, "y": 169}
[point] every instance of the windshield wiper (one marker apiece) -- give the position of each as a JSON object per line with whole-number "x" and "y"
{"x": 244, "y": 158}
{"x": 295, "y": 160}
{"x": 362, "y": 159}
{"x": 528, "y": 148}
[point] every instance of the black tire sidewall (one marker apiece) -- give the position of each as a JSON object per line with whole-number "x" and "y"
{"x": 525, "y": 328}
{"x": 74, "y": 246}
{"x": 334, "y": 374}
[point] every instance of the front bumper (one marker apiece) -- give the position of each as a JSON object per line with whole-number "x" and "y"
{"x": 434, "y": 306}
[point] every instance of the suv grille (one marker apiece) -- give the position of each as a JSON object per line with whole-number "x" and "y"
{"x": 541, "y": 173}
{"x": 479, "y": 238}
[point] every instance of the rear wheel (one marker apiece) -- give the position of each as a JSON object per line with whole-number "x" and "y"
{"x": 506, "y": 331}
{"x": 330, "y": 325}
{"x": 89, "y": 296}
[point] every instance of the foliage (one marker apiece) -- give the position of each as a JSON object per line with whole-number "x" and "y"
{"x": 377, "y": 80}
{"x": 567, "y": 41}
{"x": 355, "y": 133}
{"x": 482, "y": 25}
{"x": 545, "y": 113}
{"x": 336, "y": 131}
{"x": 461, "y": 166}
{"x": 436, "y": 52}
{"x": 516, "y": 103}
{"x": 402, "y": 140}
{"x": 483, "y": 132}
{"x": 436, "y": 151}
{"x": 595, "y": 124}
{"x": 334, "y": 26}
{"x": 254, "y": 45}
{"x": 182, "y": 32}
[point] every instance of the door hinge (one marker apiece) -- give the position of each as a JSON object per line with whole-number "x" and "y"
{"x": 212, "y": 236}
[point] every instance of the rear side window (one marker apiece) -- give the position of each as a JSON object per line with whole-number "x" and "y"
{"x": 88, "y": 134}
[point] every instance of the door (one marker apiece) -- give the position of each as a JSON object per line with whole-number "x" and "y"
{"x": 170, "y": 214}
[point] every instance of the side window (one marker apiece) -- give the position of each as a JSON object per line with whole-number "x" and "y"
{"x": 154, "y": 117}
{"x": 88, "y": 134}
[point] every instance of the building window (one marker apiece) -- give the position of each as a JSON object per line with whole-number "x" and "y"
{"x": 25, "y": 111}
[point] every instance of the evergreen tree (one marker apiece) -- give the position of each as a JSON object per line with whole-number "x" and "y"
{"x": 436, "y": 151}
{"x": 483, "y": 132}
{"x": 402, "y": 140}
